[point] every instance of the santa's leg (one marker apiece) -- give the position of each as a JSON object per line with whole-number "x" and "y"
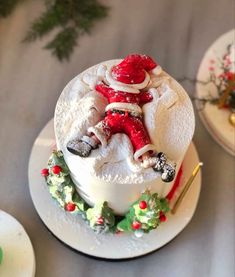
{"x": 165, "y": 167}
{"x": 138, "y": 135}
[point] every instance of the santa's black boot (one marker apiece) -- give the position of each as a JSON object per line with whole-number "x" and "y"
{"x": 168, "y": 173}
{"x": 82, "y": 147}
{"x": 161, "y": 161}
{"x": 166, "y": 169}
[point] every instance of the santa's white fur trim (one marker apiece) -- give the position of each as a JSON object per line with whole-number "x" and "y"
{"x": 124, "y": 107}
{"x": 131, "y": 88}
{"x": 143, "y": 150}
{"x": 90, "y": 141}
{"x": 99, "y": 132}
{"x": 150, "y": 162}
{"x": 157, "y": 70}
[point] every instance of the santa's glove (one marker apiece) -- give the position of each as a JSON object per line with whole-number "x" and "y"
{"x": 82, "y": 147}
{"x": 166, "y": 168}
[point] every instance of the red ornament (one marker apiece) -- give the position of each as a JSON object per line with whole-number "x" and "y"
{"x": 70, "y": 207}
{"x": 143, "y": 205}
{"x": 44, "y": 172}
{"x": 162, "y": 217}
{"x": 56, "y": 169}
{"x": 100, "y": 220}
{"x": 136, "y": 225}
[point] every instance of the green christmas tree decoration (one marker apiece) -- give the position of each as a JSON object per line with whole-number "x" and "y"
{"x": 101, "y": 218}
{"x": 61, "y": 186}
{"x": 145, "y": 219}
{"x": 143, "y": 216}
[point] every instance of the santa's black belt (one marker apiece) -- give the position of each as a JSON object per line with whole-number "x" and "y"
{"x": 133, "y": 114}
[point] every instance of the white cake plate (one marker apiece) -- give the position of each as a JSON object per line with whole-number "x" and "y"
{"x": 74, "y": 232}
{"x": 215, "y": 120}
{"x": 18, "y": 255}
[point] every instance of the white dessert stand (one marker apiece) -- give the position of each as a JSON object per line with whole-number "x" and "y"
{"x": 215, "y": 120}
{"x": 18, "y": 255}
{"x": 74, "y": 232}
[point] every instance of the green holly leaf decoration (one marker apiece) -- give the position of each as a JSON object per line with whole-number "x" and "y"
{"x": 100, "y": 217}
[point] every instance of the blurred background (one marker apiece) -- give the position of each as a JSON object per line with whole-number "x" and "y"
{"x": 176, "y": 34}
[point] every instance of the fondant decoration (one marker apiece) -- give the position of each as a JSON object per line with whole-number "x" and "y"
{"x": 110, "y": 172}
{"x": 124, "y": 113}
{"x": 101, "y": 218}
{"x": 145, "y": 219}
{"x": 61, "y": 186}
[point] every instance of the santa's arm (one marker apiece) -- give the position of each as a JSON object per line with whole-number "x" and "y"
{"x": 103, "y": 89}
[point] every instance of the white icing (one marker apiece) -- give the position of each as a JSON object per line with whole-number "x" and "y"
{"x": 132, "y": 88}
{"x": 110, "y": 173}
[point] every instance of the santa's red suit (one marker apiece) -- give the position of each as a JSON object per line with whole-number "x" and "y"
{"x": 124, "y": 112}
{"x": 124, "y": 86}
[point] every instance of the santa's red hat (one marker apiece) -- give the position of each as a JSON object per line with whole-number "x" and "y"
{"x": 132, "y": 70}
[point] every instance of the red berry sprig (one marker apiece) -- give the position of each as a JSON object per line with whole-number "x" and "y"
{"x": 70, "y": 207}
{"x": 136, "y": 225}
{"x": 143, "y": 205}
{"x": 56, "y": 169}
{"x": 162, "y": 217}
{"x": 44, "y": 172}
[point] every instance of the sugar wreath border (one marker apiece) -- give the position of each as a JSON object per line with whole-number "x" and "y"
{"x": 144, "y": 215}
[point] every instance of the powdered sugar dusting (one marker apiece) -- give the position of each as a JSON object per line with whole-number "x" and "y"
{"x": 169, "y": 120}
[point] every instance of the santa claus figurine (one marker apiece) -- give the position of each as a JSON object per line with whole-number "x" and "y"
{"x": 123, "y": 87}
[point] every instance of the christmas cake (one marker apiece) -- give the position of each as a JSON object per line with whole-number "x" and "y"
{"x": 122, "y": 128}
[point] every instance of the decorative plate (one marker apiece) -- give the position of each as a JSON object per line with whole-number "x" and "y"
{"x": 75, "y": 233}
{"x": 216, "y": 69}
{"x": 16, "y": 251}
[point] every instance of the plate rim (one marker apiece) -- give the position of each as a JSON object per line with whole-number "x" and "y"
{"x": 30, "y": 245}
{"x": 127, "y": 257}
{"x": 211, "y": 130}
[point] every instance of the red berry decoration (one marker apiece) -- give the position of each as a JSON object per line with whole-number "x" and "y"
{"x": 136, "y": 225}
{"x": 143, "y": 205}
{"x": 100, "y": 220}
{"x": 56, "y": 169}
{"x": 162, "y": 216}
{"x": 45, "y": 172}
{"x": 70, "y": 207}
